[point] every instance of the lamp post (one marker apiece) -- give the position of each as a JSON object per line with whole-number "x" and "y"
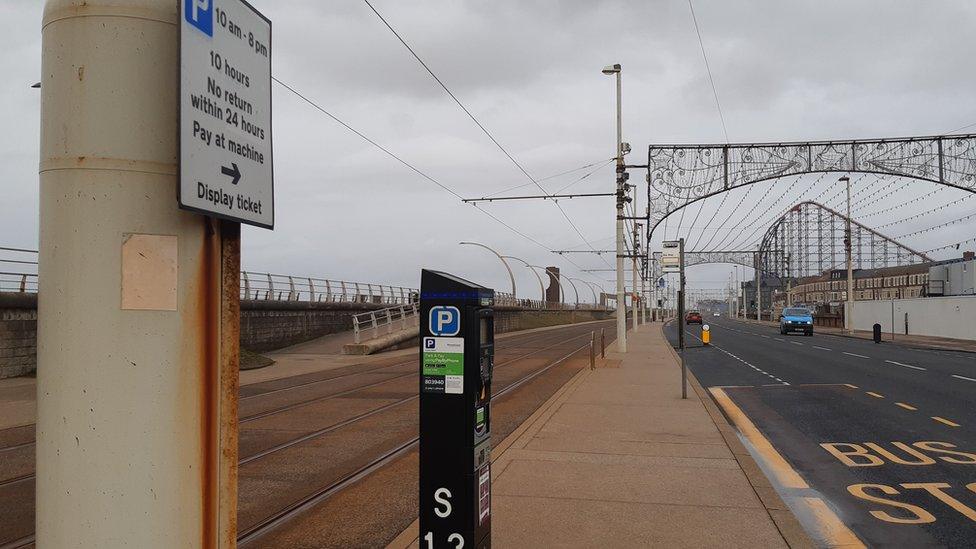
{"x": 849, "y": 302}
{"x": 542, "y": 287}
{"x": 507, "y": 268}
{"x": 575, "y": 291}
{"x": 590, "y": 285}
{"x": 621, "y": 178}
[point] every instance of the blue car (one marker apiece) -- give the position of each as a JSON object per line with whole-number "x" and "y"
{"x": 796, "y": 319}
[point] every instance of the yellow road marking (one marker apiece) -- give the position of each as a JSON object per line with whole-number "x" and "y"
{"x": 851, "y": 386}
{"x": 875, "y": 395}
{"x": 906, "y": 406}
{"x": 946, "y": 421}
{"x": 830, "y": 529}
{"x": 780, "y": 468}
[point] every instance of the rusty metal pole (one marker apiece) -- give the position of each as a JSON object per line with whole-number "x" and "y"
{"x": 593, "y": 350}
{"x": 138, "y": 309}
{"x": 603, "y": 343}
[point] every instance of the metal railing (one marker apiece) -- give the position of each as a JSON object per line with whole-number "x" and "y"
{"x": 404, "y": 315}
{"x": 268, "y": 286}
{"x": 18, "y": 270}
{"x": 507, "y": 300}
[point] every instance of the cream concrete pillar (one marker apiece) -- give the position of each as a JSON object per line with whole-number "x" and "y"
{"x": 137, "y": 379}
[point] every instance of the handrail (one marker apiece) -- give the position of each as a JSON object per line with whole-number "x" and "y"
{"x": 278, "y": 287}
{"x": 406, "y": 314}
{"x": 22, "y": 275}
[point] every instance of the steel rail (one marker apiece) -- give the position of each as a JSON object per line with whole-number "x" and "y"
{"x": 253, "y": 532}
{"x": 335, "y": 426}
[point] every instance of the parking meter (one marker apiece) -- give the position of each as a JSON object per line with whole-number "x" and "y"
{"x": 457, "y": 356}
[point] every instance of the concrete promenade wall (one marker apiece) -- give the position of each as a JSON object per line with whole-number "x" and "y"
{"x": 269, "y": 325}
{"x": 265, "y": 325}
{"x": 512, "y": 319}
{"x": 953, "y": 317}
{"x": 18, "y": 334}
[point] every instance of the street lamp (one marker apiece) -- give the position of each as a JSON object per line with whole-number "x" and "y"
{"x": 621, "y": 179}
{"x": 588, "y": 284}
{"x": 509, "y": 269}
{"x": 575, "y": 291}
{"x": 542, "y": 287}
{"x": 849, "y": 302}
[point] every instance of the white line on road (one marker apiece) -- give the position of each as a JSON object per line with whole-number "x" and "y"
{"x": 855, "y": 354}
{"x": 777, "y": 339}
{"x": 822, "y": 348}
{"x": 796, "y": 343}
{"x": 767, "y": 337}
{"x": 907, "y": 365}
{"x": 963, "y": 377}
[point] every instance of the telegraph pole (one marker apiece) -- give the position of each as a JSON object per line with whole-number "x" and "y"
{"x": 681, "y": 317}
{"x": 758, "y": 289}
{"x": 849, "y": 302}
{"x": 622, "y": 176}
{"x": 138, "y": 319}
{"x": 635, "y": 300}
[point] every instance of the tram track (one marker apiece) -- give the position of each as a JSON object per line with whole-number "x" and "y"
{"x": 275, "y": 520}
{"x": 545, "y": 341}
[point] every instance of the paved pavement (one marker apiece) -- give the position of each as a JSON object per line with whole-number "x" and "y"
{"x": 884, "y": 433}
{"x": 618, "y": 459}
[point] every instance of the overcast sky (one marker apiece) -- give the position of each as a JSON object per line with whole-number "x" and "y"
{"x": 530, "y": 72}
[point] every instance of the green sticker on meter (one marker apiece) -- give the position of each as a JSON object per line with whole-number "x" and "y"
{"x": 442, "y": 365}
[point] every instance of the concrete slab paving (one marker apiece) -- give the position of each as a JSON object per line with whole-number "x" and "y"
{"x": 623, "y": 461}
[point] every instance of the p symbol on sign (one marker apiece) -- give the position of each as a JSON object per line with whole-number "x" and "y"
{"x": 199, "y": 13}
{"x": 444, "y": 320}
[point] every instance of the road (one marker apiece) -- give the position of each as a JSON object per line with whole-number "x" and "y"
{"x": 883, "y": 433}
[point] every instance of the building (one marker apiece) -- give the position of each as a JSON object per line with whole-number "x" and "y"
{"x": 770, "y": 288}
{"x": 886, "y": 283}
{"x": 954, "y": 278}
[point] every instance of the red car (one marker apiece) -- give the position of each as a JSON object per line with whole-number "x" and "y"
{"x": 693, "y": 317}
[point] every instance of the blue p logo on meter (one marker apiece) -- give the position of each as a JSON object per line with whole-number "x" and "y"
{"x": 444, "y": 320}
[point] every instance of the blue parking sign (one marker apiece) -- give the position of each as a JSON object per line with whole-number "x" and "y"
{"x": 444, "y": 320}
{"x": 199, "y": 13}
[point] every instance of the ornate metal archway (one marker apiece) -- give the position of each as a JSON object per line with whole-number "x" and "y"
{"x": 679, "y": 175}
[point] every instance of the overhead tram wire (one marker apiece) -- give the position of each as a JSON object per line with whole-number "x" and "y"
{"x": 523, "y": 185}
{"x": 721, "y": 115}
{"x": 471, "y": 116}
{"x": 708, "y": 69}
{"x": 368, "y": 140}
{"x": 584, "y": 176}
{"x": 414, "y": 169}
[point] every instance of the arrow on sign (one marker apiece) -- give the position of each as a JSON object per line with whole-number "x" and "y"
{"x": 234, "y": 173}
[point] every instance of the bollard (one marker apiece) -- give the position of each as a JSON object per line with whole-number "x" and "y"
{"x": 877, "y": 333}
{"x": 603, "y": 343}
{"x": 706, "y": 335}
{"x": 593, "y": 350}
